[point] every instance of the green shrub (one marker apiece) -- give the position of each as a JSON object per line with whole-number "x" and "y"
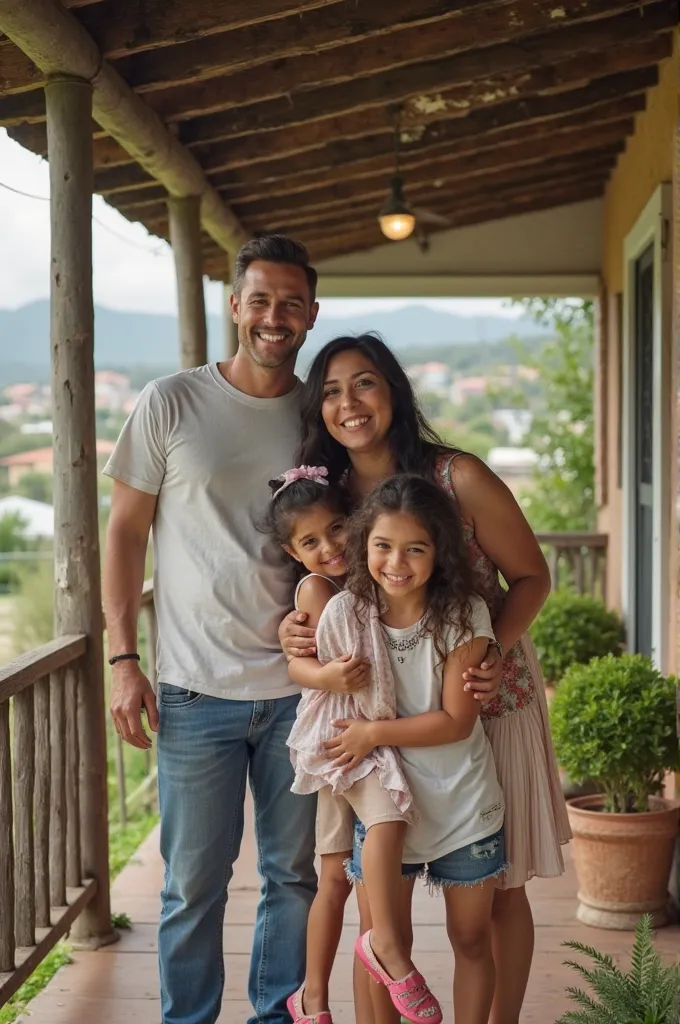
{"x": 613, "y": 721}
{"x": 574, "y": 628}
{"x": 647, "y": 994}
{"x": 9, "y": 579}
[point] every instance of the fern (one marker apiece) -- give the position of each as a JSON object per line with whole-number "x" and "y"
{"x": 648, "y": 994}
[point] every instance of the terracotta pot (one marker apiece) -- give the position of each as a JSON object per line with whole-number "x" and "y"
{"x": 623, "y": 862}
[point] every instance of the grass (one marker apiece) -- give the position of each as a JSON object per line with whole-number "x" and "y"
{"x": 122, "y": 844}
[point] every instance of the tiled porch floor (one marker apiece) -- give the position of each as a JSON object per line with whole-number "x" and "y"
{"x": 119, "y": 985}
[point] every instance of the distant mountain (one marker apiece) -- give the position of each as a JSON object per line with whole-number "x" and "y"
{"x": 126, "y": 339}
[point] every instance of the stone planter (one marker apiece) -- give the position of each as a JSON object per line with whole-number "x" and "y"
{"x": 623, "y": 862}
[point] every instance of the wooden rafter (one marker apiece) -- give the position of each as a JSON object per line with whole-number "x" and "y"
{"x": 57, "y": 43}
{"x": 585, "y": 49}
{"x": 477, "y": 27}
{"x": 510, "y": 157}
{"x": 593, "y": 103}
{"x": 442, "y": 200}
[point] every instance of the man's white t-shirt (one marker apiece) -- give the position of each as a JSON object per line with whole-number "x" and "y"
{"x": 454, "y": 786}
{"x": 221, "y": 587}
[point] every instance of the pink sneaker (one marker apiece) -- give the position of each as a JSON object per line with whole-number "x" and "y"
{"x": 411, "y": 996}
{"x": 296, "y": 1010}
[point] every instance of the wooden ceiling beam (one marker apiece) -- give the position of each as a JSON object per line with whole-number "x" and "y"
{"x": 58, "y": 44}
{"x": 156, "y": 23}
{"x": 462, "y": 165}
{"x": 441, "y": 199}
{"x": 474, "y": 28}
{"x": 351, "y": 242}
{"x": 341, "y": 150}
{"x": 583, "y": 46}
{"x": 309, "y": 32}
{"x": 435, "y": 102}
{"x": 240, "y": 189}
{"x": 161, "y": 23}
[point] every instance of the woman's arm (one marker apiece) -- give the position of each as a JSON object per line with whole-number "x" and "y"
{"x": 431, "y": 729}
{"x": 505, "y": 536}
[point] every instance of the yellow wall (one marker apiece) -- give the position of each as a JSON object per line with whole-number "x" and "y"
{"x": 645, "y": 164}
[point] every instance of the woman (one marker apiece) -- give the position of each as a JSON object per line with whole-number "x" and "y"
{"x": 360, "y": 419}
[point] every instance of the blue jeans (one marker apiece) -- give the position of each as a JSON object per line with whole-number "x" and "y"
{"x": 206, "y": 748}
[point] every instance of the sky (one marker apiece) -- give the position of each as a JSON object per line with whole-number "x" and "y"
{"x": 132, "y": 269}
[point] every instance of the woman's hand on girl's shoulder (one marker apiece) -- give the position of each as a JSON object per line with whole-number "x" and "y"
{"x": 485, "y": 682}
{"x": 297, "y": 640}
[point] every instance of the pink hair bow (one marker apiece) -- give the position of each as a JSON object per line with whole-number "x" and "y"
{"x": 319, "y": 474}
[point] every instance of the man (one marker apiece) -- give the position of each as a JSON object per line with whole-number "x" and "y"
{"x": 194, "y": 459}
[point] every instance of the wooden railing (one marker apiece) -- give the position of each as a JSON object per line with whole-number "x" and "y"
{"x": 42, "y": 888}
{"x": 578, "y": 560}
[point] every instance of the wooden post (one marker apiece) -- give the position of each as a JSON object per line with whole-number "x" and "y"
{"x": 185, "y": 237}
{"x": 230, "y": 328}
{"x": 78, "y": 606}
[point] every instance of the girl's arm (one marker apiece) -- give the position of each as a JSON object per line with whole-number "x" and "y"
{"x": 505, "y": 536}
{"x": 342, "y": 675}
{"x": 454, "y": 722}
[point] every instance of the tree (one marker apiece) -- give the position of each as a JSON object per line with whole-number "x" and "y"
{"x": 562, "y": 496}
{"x": 37, "y": 486}
{"x": 12, "y": 532}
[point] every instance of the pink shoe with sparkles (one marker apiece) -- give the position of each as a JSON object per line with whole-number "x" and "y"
{"x": 411, "y": 995}
{"x": 297, "y": 1012}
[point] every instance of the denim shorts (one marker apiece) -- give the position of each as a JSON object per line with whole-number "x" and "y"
{"x": 470, "y": 865}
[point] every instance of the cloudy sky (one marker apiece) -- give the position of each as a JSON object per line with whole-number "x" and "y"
{"x": 132, "y": 270}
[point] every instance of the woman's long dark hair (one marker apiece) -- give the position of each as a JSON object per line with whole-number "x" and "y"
{"x": 415, "y": 445}
{"x": 450, "y": 586}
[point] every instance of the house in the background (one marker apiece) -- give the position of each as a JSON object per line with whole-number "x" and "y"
{"x": 431, "y": 378}
{"x": 514, "y": 466}
{"x": 37, "y": 516}
{"x": 112, "y": 391}
{"x": 41, "y": 460}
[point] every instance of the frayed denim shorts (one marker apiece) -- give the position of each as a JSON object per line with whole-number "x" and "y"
{"x": 470, "y": 865}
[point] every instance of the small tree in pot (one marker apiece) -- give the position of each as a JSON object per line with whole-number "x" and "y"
{"x": 613, "y": 721}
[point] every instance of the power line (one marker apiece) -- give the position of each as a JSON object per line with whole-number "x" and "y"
{"x": 121, "y": 238}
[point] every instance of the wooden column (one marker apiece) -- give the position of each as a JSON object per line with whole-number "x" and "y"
{"x": 229, "y": 327}
{"x": 185, "y": 237}
{"x": 78, "y": 606}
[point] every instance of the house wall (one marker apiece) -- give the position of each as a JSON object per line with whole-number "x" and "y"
{"x": 647, "y": 162}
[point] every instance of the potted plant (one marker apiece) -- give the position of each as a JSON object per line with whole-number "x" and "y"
{"x": 613, "y": 721}
{"x": 573, "y": 628}
{"x": 649, "y": 993}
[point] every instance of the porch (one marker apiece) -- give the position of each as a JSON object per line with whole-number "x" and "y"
{"x": 119, "y": 984}
{"x": 539, "y": 172}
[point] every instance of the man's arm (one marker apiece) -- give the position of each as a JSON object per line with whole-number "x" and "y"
{"x": 127, "y": 536}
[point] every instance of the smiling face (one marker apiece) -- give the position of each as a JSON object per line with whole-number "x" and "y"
{"x": 401, "y": 555}
{"x": 318, "y": 540}
{"x": 274, "y": 311}
{"x": 357, "y": 402}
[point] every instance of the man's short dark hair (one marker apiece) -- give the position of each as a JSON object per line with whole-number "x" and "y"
{"x": 273, "y": 249}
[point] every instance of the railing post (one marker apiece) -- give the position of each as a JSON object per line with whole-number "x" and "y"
{"x": 76, "y": 538}
{"x": 185, "y": 238}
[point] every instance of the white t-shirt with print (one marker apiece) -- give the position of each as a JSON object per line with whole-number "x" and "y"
{"x": 221, "y": 587}
{"x": 454, "y": 786}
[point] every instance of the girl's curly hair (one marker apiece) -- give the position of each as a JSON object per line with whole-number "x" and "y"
{"x": 450, "y": 586}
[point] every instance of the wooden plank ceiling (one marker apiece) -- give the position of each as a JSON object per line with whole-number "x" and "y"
{"x": 505, "y": 106}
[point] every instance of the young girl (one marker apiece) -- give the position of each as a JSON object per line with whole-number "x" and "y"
{"x": 308, "y": 520}
{"x": 409, "y": 574}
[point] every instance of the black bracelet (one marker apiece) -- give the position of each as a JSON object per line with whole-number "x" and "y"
{"x": 123, "y": 657}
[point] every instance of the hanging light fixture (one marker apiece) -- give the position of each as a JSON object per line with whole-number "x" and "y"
{"x": 396, "y": 217}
